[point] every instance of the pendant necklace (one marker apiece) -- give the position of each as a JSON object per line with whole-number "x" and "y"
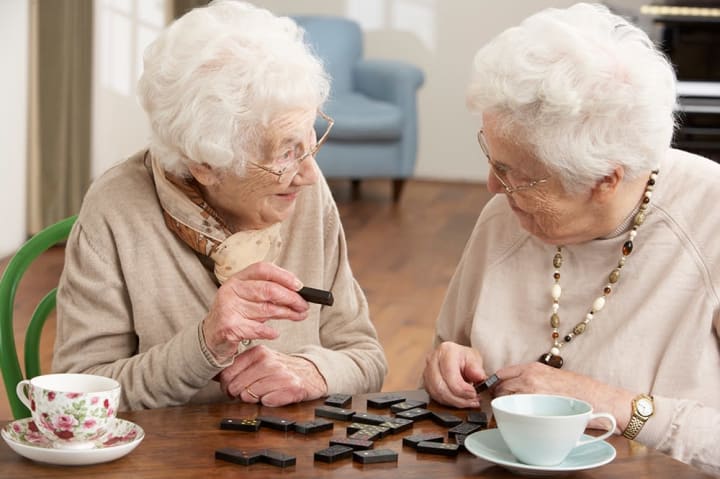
{"x": 552, "y": 357}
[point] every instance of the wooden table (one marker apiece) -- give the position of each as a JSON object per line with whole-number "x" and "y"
{"x": 180, "y": 442}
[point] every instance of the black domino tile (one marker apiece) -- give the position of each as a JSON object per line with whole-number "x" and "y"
{"x": 478, "y": 417}
{"x": 240, "y": 424}
{"x": 333, "y": 453}
{"x": 375, "y": 456}
{"x": 278, "y": 458}
{"x": 385, "y": 401}
{"x": 237, "y": 456}
{"x": 465, "y": 428}
{"x": 408, "y": 404}
{"x": 310, "y": 427}
{"x": 445, "y": 419}
{"x": 332, "y": 412}
{"x": 398, "y": 424}
{"x": 440, "y": 448}
{"x": 338, "y": 400}
{"x": 416, "y": 414}
{"x": 274, "y": 422}
{"x": 356, "y": 444}
{"x": 415, "y": 439}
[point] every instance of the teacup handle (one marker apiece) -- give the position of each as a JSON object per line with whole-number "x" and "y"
{"x": 21, "y": 392}
{"x": 610, "y": 418}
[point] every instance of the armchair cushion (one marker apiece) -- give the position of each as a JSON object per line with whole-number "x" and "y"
{"x": 373, "y": 103}
{"x": 388, "y": 80}
{"x": 360, "y": 118}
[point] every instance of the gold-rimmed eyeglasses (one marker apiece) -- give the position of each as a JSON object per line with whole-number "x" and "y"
{"x": 501, "y": 172}
{"x": 291, "y": 161}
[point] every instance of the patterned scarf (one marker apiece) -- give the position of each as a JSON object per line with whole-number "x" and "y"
{"x": 198, "y": 225}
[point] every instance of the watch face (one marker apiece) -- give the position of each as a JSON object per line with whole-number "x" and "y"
{"x": 644, "y": 407}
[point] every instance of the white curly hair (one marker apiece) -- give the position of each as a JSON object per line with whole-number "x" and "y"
{"x": 216, "y": 77}
{"x": 582, "y": 88}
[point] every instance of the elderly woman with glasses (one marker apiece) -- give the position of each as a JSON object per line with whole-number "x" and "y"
{"x": 595, "y": 270}
{"x": 182, "y": 272}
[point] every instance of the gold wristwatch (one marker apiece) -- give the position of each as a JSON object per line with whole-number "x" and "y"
{"x": 642, "y": 408}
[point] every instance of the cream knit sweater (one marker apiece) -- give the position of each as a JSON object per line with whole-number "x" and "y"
{"x": 659, "y": 330}
{"x": 132, "y": 296}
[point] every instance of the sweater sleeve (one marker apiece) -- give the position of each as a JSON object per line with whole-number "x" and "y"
{"x": 686, "y": 430}
{"x": 96, "y": 330}
{"x": 349, "y": 356}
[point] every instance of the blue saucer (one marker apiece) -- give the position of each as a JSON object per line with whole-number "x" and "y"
{"x": 489, "y": 445}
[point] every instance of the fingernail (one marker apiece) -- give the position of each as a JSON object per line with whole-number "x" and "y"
{"x": 298, "y": 284}
{"x": 474, "y": 403}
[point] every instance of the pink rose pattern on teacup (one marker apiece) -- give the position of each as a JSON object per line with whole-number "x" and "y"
{"x": 74, "y": 416}
{"x": 25, "y": 431}
{"x": 30, "y": 434}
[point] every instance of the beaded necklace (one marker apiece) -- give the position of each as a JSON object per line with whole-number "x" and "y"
{"x": 553, "y": 358}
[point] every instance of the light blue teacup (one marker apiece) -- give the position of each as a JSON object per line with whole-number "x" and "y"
{"x": 541, "y": 429}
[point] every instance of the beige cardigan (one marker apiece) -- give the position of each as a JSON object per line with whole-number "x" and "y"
{"x": 132, "y": 296}
{"x": 659, "y": 331}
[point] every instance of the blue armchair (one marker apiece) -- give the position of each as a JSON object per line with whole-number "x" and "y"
{"x": 373, "y": 103}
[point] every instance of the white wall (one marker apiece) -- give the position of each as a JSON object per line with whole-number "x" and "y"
{"x": 122, "y": 30}
{"x": 14, "y": 62}
{"x": 440, "y": 37}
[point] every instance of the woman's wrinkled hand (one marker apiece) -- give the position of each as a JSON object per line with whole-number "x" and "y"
{"x": 537, "y": 378}
{"x": 450, "y": 372}
{"x": 262, "y": 375}
{"x": 259, "y": 293}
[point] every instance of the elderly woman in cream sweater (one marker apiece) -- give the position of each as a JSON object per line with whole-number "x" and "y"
{"x": 186, "y": 259}
{"x": 595, "y": 270}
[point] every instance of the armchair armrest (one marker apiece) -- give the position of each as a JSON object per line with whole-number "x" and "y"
{"x": 388, "y": 80}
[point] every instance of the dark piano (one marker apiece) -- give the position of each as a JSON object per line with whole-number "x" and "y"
{"x": 689, "y": 33}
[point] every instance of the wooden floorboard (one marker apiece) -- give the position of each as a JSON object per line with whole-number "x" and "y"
{"x": 403, "y": 256}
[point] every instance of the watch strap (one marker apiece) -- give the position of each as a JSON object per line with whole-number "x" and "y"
{"x": 634, "y": 426}
{"x": 637, "y": 420}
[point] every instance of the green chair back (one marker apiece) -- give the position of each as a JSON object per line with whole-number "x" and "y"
{"x": 9, "y": 362}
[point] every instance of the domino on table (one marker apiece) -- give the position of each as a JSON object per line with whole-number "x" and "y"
{"x": 414, "y": 440}
{"x": 333, "y": 453}
{"x": 274, "y": 422}
{"x": 317, "y": 425}
{"x": 415, "y": 414}
{"x": 478, "y": 417}
{"x": 338, "y": 400}
{"x": 332, "y": 412}
{"x": 387, "y": 400}
{"x": 441, "y": 448}
{"x": 277, "y": 458}
{"x": 356, "y": 444}
{"x": 465, "y": 428}
{"x": 397, "y": 424}
{"x": 240, "y": 424}
{"x": 375, "y": 456}
{"x": 368, "y": 418}
{"x": 408, "y": 404}
{"x": 445, "y": 419}
{"x": 236, "y": 456}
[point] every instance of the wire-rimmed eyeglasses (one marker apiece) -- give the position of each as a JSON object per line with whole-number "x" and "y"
{"x": 288, "y": 172}
{"x": 501, "y": 173}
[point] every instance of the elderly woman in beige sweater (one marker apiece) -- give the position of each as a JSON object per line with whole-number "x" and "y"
{"x": 186, "y": 259}
{"x": 595, "y": 270}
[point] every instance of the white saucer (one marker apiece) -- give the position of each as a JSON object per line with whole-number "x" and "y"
{"x": 489, "y": 445}
{"x": 23, "y": 437}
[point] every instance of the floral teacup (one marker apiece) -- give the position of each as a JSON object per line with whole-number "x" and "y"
{"x": 71, "y": 410}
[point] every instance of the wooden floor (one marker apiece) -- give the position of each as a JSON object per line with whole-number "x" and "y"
{"x": 403, "y": 256}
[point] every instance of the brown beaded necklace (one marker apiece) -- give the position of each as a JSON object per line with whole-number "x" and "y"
{"x": 553, "y": 358}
